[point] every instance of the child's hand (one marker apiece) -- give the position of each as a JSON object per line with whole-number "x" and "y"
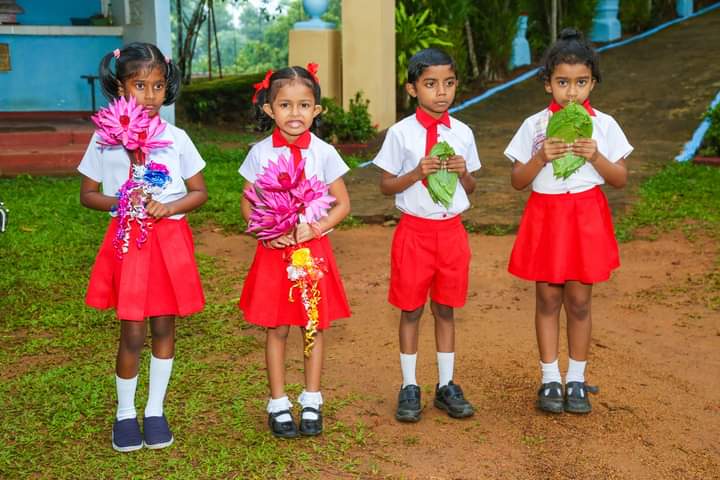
{"x": 586, "y": 148}
{"x": 283, "y": 241}
{"x": 553, "y": 148}
{"x": 157, "y": 209}
{"x": 457, "y": 164}
{"x": 427, "y": 166}
{"x": 306, "y": 232}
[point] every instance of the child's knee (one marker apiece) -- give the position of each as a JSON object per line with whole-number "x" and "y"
{"x": 442, "y": 312}
{"x": 412, "y": 315}
{"x": 162, "y": 328}
{"x": 133, "y": 339}
{"x": 577, "y": 309}
{"x": 278, "y": 333}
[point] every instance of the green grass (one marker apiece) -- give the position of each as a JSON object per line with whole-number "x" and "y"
{"x": 57, "y": 391}
{"x": 681, "y": 195}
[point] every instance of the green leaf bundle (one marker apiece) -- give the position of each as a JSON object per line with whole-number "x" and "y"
{"x": 569, "y": 124}
{"x": 442, "y": 184}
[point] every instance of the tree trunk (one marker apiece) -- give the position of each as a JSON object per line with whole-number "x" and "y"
{"x": 471, "y": 50}
{"x": 553, "y": 21}
{"x": 209, "y": 39}
{"x": 217, "y": 44}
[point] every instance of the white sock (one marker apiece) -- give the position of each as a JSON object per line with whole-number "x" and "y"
{"x": 160, "y": 369}
{"x": 446, "y": 364}
{"x": 550, "y": 372}
{"x": 278, "y": 405}
{"x": 576, "y": 371}
{"x": 310, "y": 399}
{"x": 126, "y": 397}
{"x": 407, "y": 364}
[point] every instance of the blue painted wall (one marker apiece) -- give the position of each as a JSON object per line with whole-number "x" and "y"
{"x": 46, "y": 72}
{"x": 56, "y": 12}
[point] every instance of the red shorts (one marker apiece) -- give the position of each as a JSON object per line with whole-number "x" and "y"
{"x": 264, "y": 299}
{"x": 429, "y": 256}
{"x": 565, "y": 237}
{"x": 159, "y": 278}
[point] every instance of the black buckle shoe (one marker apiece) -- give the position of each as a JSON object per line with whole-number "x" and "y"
{"x": 576, "y": 397}
{"x": 282, "y": 429}
{"x": 550, "y": 397}
{"x": 310, "y": 428}
{"x": 451, "y": 399}
{"x": 409, "y": 406}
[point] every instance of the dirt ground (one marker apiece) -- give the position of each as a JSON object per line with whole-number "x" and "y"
{"x": 656, "y": 88}
{"x": 655, "y": 356}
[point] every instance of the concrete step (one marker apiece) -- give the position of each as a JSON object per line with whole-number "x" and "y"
{"x": 54, "y": 160}
{"x": 30, "y": 139}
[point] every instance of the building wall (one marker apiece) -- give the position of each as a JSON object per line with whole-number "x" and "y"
{"x": 46, "y": 71}
{"x": 56, "y": 12}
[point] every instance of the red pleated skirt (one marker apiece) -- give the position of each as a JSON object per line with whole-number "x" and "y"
{"x": 264, "y": 299}
{"x": 565, "y": 237}
{"x": 159, "y": 278}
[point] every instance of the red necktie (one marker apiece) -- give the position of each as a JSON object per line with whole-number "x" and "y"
{"x": 556, "y": 107}
{"x": 431, "y": 125}
{"x": 300, "y": 143}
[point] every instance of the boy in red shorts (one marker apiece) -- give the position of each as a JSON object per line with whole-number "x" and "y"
{"x": 430, "y": 250}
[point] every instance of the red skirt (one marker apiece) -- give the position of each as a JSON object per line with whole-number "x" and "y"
{"x": 429, "y": 256}
{"x": 264, "y": 299}
{"x": 159, "y": 278}
{"x": 565, "y": 237}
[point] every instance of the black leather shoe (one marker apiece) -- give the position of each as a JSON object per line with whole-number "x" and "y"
{"x": 550, "y": 397}
{"x": 451, "y": 399}
{"x": 282, "y": 429}
{"x": 310, "y": 428}
{"x": 409, "y": 406}
{"x": 576, "y": 397}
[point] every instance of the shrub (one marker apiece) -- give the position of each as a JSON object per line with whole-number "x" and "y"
{"x": 353, "y": 126}
{"x": 711, "y": 140}
{"x": 635, "y": 15}
{"x": 215, "y": 101}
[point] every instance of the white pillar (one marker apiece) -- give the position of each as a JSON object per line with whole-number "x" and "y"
{"x": 146, "y": 21}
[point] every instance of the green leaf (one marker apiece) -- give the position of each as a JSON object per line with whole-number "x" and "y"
{"x": 569, "y": 124}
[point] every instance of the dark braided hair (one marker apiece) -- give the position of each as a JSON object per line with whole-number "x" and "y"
{"x": 134, "y": 59}
{"x": 278, "y": 80}
{"x": 571, "y": 47}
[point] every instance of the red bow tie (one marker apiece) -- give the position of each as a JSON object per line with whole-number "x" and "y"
{"x": 300, "y": 143}
{"x": 556, "y": 107}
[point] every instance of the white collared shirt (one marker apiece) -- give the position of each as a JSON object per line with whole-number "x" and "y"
{"x": 321, "y": 160}
{"x": 401, "y": 152}
{"x": 110, "y": 166}
{"x": 611, "y": 143}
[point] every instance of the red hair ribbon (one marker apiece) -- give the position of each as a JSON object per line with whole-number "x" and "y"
{"x": 265, "y": 84}
{"x": 313, "y": 69}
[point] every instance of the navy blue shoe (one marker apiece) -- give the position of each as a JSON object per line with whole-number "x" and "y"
{"x": 126, "y": 435}
{"x": 576, "y": 397}
{"x": 157, "y": 432}
{"x": 550, "y": 397}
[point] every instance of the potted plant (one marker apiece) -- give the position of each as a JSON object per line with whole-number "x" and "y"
{"x": 348, "y": 130}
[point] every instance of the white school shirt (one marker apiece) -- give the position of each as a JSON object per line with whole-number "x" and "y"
{"x": 321, "y": 160}
{"x": 110, "y": 165}
{"x": 611, "y": 142}
{"x": 401, "y": 152}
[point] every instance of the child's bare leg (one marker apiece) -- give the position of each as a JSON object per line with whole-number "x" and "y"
{"x": 275, "y": 359}
{"x": 409, "y": 329}
{"x": 132, "y": 340}
{"x": 313, "y": 365}
{"x": 548, "y": 301}
{"x": 444, "y": 327}
{"x": 577, "y": 301}
{"x": 163, "y": 336}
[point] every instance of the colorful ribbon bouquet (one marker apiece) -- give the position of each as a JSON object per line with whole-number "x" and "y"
{"x": 280, "y": 199}
{"x": 127, "y": 124}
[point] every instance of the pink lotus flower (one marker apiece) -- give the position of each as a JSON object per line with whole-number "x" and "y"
{"x": 282, "y": 175}
{"x": 147, "y": 140}
{"x": 273, "y": 214}
{"x": 120, "y": 122}
{"x": 313, "y": 199}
